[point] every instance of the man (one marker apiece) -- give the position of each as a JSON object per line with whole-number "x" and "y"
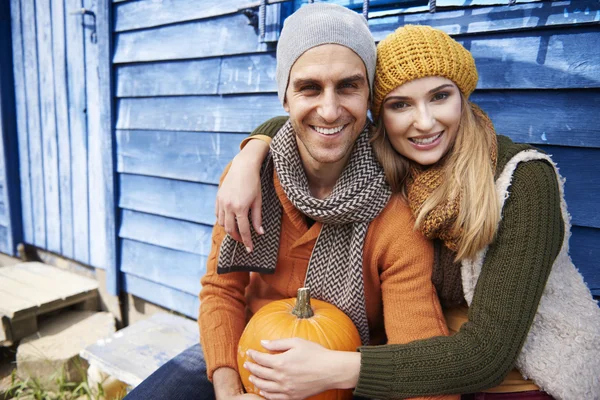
{"x": 321, "y": 181}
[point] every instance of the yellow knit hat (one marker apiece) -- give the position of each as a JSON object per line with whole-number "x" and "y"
{"x": 418, "y": 51}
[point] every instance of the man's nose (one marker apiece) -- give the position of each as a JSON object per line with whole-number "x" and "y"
{"x": 329, "y": 108}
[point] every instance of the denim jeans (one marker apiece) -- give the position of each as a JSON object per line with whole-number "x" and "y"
{"x": 181, "y": 378}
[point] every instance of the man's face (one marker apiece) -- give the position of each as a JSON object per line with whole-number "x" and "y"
{"x": 327, "y": 99}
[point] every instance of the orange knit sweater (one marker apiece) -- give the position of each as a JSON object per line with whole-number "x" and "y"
{"x": 401, "y": 301}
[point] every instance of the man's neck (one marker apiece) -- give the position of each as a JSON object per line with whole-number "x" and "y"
{"x": 322, "y": 177}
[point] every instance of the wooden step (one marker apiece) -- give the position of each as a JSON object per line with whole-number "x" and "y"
{"x": 28, "y": 290}
{"x": 133, "y": 353}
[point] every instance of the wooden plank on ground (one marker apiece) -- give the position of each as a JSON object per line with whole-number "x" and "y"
{"x": 175, "y": 269}
{"x": 38, "y": 288}
{"x": 133, "y": 353}
{"x": 168, "y": 78}
{"x": 48, "y": 113}
{"x": 191, "y": 156}
{"x": 62, "y": 127}
{"x": 76, "y": 78}
{"x": 33, "y": 130}
{"x": 198, "y": 113}
{"x": 228, "y": 35}
{"x": 146, "y": 14}
{"x": 166, "y": 232}
{"x": 176, "y": 300}
{"x": 491, "y": 19}
{"x": 169, "y": 198}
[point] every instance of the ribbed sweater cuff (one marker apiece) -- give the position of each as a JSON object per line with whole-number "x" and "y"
{"x": 270, "y": 127}
{"x": 374, "y": 378}
{"x": 218, "y": 354}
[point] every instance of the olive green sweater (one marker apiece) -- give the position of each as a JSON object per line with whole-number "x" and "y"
{"x": 508, "y": 291}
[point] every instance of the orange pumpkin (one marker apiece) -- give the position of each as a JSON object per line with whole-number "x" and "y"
{"x": 319, "y": 322}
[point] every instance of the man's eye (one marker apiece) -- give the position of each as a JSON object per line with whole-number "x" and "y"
{"x": 309, "y": 88}
{"x": 348, "y": 86}
{"x": 440, "y": 96}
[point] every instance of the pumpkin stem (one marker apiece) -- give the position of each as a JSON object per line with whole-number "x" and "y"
{"x": 303, "y": 308}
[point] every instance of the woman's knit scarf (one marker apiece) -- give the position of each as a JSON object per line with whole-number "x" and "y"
{"x": 439, "y": 222}
{"x": 335, "y": 268}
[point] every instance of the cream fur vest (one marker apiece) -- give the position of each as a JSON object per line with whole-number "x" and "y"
{"x": 562, "y": 350}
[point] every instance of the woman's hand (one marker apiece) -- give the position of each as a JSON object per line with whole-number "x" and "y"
{"x": 240, "y": 193}
{"x": 303, "y": 369}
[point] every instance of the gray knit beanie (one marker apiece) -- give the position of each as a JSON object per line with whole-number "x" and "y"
{"x": 320, "y": 23}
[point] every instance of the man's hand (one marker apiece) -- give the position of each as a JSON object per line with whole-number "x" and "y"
{"x": 240, "y": 193}
{"x": 303, "y": 369}
{"x": 227, "y": 385}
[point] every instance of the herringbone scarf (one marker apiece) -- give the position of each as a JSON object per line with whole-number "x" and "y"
{"x": 335, "y": 267}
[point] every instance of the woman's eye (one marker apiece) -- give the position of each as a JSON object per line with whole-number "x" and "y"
{"x": 399, "y": 105}
{"x": 440, "y": 96}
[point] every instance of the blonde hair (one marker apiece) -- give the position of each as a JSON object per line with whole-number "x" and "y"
{"x": 468, "y": 175}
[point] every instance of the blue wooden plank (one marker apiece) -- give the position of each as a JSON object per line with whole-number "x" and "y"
{"x": 490, "y": 19}
{"x": 184, "y": 303}
{"x": 198, "y": 113}
{"x": 103, "y": 252}
{"x": 76, "y": 78}
{"x": 175, "y": 269}
{"x": 585, "y": 253}
{"x": 557, "y": 117}
{"x": 228, "y": 35}
{"x": 580, "y": 167}
{"x": 34, "y": 129}
{"x": 168, "y": 78}
{"x": 5, "y": 247}
{"x": 145, "y": 14}
{"x": 10, "y": 195}
{"x": 248, "y": 74}
{"x": 166, "y": 232}
{"x": 21, "y": 115}
{"x": 549, "y": 59}
{"x": 62, "y": 128}
{"x": 49, "y": 139}
{"x": 170, "y": 198}
{"x": 190, "y": 156}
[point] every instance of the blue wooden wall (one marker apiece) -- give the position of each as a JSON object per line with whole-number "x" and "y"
{"x": 10, "y": 199}
{"x": 192, "y": 79}
{"x": 62, "y": 87}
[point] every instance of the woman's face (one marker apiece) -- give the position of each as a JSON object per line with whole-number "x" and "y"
{"x": 421, "y": 118}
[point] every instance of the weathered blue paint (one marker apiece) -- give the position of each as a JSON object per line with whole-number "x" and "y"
{"x": 21, "y": 115}
{"x": 493, "y": 19}
{"x": 76, "y": 77}
{"x": 191, "y": 156}
{"x": 187, "y": 201}
{"x": 34, "y": 129}
{"x": 62, "y": 128}
{"x": 48, "y": 124}
{"x": 64, "y": 117}
{"x": 168, "y": 78}
{"x": 158, "y": 264}
{"x": 11, "y": 231}
{"x": 147, "y": 14}
{"x": 185, "y": 303}
{"x": 166, "y": 232}
{"x": 564, "y": 115}
{"x": 197, "y": 113}
{"x": 228, "y": 35}
{"x": 102, "y": 198}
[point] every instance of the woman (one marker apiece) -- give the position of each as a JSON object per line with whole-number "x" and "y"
{"x": 497, "y": 213}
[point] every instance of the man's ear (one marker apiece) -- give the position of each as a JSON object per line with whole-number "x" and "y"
{"x": 286, "y": 106}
